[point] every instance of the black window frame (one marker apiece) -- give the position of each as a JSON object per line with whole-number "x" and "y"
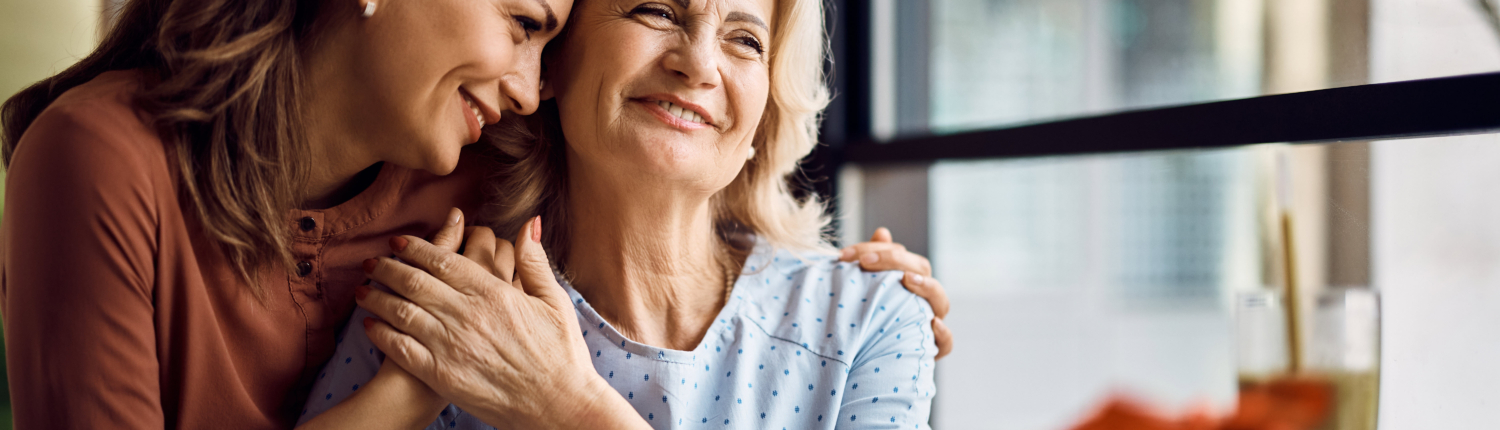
{"x": 1421, "y": 108}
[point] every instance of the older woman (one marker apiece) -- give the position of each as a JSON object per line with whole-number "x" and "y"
{"x": 675, "y": 127}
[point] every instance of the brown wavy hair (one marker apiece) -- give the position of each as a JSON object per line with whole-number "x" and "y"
{"x": 223, "y": 80}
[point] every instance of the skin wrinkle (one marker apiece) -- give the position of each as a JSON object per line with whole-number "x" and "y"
{"x": 653, "y": 267}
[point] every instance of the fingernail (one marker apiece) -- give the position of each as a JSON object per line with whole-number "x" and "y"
{"x": 914, "y": 278}
{"x": 457, "y": 217}
{"x": 398, "y": 244}
{"x": 846, "y": 254}
{"x": 368, "y": 322}
{"x": 369, "y": 265}
{"x": 536, "y": 229}
{"x": 360, "y": 292}
{"x": 870, "y": 258}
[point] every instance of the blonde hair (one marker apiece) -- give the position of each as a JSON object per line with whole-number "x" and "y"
{"x": 531, "y": 178}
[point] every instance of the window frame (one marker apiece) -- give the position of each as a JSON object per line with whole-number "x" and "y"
{"x": 1409, "y": 109}
{"x": 848, "y": 137}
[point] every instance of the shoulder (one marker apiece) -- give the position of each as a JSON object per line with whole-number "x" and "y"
{"x": 93, "y": 131}
{"x": 86, "y": 185}
{"x": 830, "y": 307}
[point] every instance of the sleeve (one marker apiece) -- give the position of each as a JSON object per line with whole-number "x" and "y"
{"x": 355, "y": 361}
{"x": 890, "y": 381}
{"x": 78, "y": 249}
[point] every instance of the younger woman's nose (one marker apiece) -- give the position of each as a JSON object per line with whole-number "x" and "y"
{"x": 521, "y": 92}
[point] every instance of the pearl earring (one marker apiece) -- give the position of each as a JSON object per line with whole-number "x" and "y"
{"x": 752, "y": 154}
{"x": 369, "y": 9}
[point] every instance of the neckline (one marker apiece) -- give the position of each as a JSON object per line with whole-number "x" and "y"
{"x": 375, "y": 200}
{"x": 721, "y": 322}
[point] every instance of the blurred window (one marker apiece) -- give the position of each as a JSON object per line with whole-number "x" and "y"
{"x": 1074, "y": 276}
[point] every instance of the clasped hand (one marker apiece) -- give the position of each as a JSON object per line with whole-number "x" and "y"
{"x": 490, "y": 329}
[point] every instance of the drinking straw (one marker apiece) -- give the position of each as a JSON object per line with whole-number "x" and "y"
{"x": 1289, "y": 259}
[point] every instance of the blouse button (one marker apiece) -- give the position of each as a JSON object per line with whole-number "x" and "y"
{"x": 304, "y": 267}
{"x": 307, "y": 223}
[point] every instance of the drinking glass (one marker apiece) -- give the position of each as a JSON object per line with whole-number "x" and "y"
{"x": 1345, "y": 350}
{"x": 1260, "y": 337}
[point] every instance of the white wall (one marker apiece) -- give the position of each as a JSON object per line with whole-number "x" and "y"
{"x": 1435, "y": 227}
{"x": 39, "y": 38}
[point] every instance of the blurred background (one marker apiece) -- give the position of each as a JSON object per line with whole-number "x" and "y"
{"x": 1077, "y": 277}
{"x": 38, "y": 39}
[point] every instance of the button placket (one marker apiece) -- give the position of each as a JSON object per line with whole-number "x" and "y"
{"x": 307, "y": 230}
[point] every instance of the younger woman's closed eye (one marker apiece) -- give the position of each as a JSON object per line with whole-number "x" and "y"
{"x": 529, "y": 25}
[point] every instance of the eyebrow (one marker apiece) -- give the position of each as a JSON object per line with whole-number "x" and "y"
{"x": 745, "y": 17}
{"x": 684, "y": 3}
{"x": 551, "y": 17}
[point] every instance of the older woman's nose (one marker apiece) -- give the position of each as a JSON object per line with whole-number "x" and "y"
{"x": 696, "y": 62}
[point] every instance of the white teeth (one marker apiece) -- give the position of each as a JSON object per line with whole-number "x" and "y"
{"x": 473, "y": 108}
{"x": 678, "y": 111}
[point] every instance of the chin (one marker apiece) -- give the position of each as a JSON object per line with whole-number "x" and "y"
{"x": 439, "y": 159}
{"x": 700, "y": 171}
{"x": 444, "y": 165}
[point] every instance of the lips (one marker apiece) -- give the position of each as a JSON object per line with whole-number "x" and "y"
{"x": 473, "y": 107}
{"x": 679, "y": 112}
{"x": 474, "y": 118}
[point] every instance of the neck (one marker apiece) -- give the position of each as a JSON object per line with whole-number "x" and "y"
{"x": 336, "y": 173}
{"x": 649, "y": 262}
{"x": 340, "y": 167}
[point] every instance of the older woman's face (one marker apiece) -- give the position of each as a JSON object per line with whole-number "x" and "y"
{"x": 664, "y": 90}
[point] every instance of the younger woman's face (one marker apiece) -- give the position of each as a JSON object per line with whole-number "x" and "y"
{"x": 434, "y": 71}
{"x": 664, "y": 92}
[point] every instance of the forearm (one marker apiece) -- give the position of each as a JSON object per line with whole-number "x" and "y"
{"x": 579, "y": 402}
{"x": 606, "y": 409}
{"x": 393, "y": 399}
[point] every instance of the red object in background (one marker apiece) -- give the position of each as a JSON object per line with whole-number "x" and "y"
{"x": 1289, "y": 404}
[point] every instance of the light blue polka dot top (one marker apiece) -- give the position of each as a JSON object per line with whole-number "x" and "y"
{"x": 803, "y": 342}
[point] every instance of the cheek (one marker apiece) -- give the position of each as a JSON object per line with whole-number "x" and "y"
{"x": 749, "y": 98}
{"x": 495, "y": 55}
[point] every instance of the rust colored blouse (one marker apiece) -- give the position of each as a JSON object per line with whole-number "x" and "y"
{"x": 119, "y": 313}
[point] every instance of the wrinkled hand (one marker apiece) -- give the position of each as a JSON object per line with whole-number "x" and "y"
{"x": 881, "y": 254}
{"x": 507, "y": 351}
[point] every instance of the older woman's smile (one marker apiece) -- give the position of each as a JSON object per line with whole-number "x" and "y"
{"x": 677, "y": 112}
